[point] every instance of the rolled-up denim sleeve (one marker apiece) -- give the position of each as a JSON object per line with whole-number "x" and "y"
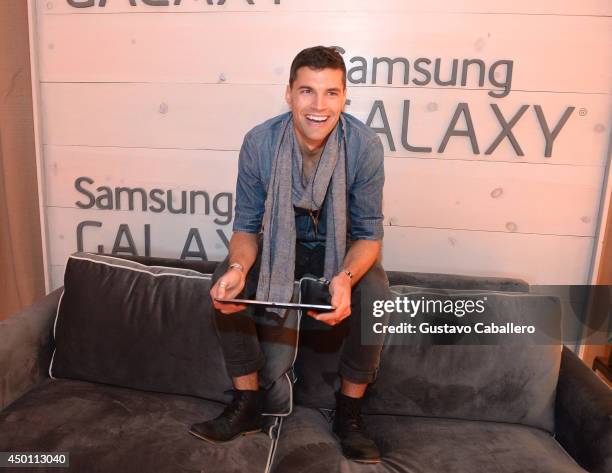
{"x": 250, "y": 191}
{"x": 365, "y": 195}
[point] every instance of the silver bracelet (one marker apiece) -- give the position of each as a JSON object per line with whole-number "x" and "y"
{"x": 347, "y": 272}
{"x": 237, "y": 266}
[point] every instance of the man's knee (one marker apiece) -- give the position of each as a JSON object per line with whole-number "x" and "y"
{"x": 373, "y": 283}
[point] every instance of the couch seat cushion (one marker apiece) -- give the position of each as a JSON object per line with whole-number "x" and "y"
{"x": 421, "y": 445}
{"x": 110, "y": 429}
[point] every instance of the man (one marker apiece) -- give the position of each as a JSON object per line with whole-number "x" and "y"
{"x": 312, "y": 179}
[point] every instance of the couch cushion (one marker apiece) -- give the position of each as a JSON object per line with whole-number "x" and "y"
{"x": 205, "y": 267}
{"x": 456, "y": 281}
{"x": 505, "y": 383}
{"x": 511, "y": 381}
{"x": 110, "y": 429}
{"x": 319, "y": 345}
{"x": 151, "y": 327}
{"x": 423, "y": 445}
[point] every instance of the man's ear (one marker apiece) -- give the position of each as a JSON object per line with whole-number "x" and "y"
{"x": 288, "y": 95}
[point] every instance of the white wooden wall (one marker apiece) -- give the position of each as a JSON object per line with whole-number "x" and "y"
{"x": 160, "y": 97}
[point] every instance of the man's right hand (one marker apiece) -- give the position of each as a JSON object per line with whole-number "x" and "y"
{"x": 228, "y": 286}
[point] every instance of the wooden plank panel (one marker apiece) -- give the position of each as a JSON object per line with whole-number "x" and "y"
{"x": 538, "y": 259}
{"x": 217, "y": 117}
{"x": 562, "y": 7}
{"x": 582, "y": 140}
{"x": 201, "y": 48}
{"x": 57, "y": 276}
{"x": 168, "y": 233}
{"x": 156, "y": 115}
{"x": 213, "y": 172}
{"x": 604, "y": 271}
{"x": 502, "y": 197}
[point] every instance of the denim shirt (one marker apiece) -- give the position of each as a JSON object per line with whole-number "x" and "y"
{"x": 365, "y": 180}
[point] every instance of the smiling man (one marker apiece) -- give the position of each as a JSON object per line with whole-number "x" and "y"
{"x": 308, "y": 200}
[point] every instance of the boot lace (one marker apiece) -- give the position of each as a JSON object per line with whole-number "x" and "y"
{"x": 354, "y": 419}
{"x": 233, "y": 409}
{"x": 350, "y": 416}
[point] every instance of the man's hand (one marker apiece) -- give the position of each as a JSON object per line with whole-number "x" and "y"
{"x": 340, "y": 290}
{"x": 242, "y": 250}
{"x": 359, "y": 258}
{"x": 229, "y": 286}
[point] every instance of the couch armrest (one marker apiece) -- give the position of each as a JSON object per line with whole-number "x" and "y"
{"x": 25, "y": 347}
{"x": 583, "y": 414}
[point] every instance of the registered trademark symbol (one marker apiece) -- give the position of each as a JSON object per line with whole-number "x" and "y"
{"x": 582, "y": 112}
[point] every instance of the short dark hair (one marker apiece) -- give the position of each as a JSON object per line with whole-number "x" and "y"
{"x": 317, "y": 57}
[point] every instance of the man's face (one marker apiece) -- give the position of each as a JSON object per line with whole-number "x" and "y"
{"x": 316, "y": 99}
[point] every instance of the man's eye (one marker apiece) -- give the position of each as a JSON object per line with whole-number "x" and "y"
{"x": 305, "y": 91}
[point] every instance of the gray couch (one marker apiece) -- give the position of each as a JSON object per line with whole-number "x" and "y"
{"x": 124, "y": 390}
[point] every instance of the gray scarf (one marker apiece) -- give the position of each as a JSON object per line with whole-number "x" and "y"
{"x": 286, "y": 190}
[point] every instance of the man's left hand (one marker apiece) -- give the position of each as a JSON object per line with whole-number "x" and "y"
{"x": 340, "y": 290}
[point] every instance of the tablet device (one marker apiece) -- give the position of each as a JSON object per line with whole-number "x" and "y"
{"x": 279, "y": 305}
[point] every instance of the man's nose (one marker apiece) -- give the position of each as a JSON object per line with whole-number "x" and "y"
{"x": 320, "y": 101}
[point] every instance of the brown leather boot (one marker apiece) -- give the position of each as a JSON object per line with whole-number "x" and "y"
{"x": 241, "y": 417}
{"x": 348, "y": 426}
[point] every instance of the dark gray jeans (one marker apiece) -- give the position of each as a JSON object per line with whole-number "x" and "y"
{"x": 238, "y": 332}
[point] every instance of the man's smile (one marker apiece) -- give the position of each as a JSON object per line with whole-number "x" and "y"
{"x": 317, "y": 118}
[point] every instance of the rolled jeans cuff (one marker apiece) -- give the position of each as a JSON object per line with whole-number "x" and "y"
{"x": 241, "y": 368}
{"x": 357, "y": 376}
